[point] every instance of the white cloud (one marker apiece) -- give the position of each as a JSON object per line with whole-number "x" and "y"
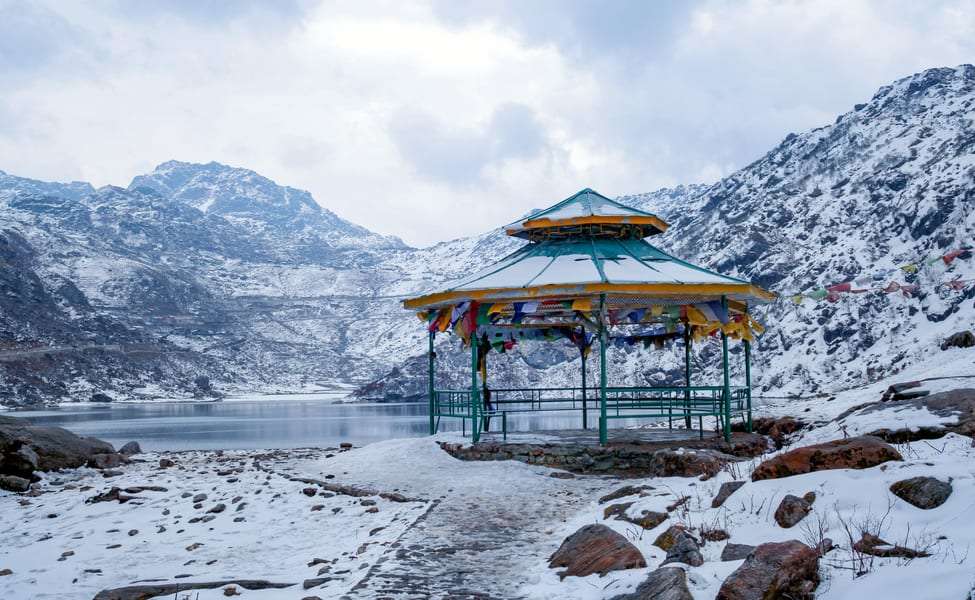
{"x": 433, "y": 122}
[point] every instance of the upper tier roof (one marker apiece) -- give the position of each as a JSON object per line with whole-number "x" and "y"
{"x": 588, "y": 214}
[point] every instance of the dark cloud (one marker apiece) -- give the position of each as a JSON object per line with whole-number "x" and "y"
{"x": 458, "y": 155}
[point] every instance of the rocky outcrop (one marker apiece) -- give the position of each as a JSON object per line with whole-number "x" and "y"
{"x": 852, "y": 453}
{"x": 922, "y": 492}
{"x": 666, "y": 583}
{"x": 25, "y": 448}
{"x": 793, "y": 509}
{"x": 774, "y": 570}
{"x": 957, "y": 406}
{"x": 726, "y": 490}
{"x": 595, "y": 549}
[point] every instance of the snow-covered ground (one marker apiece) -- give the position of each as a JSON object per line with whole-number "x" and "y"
{"x": 476, "y": 528}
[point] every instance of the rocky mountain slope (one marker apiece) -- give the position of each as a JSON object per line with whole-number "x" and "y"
{"x": 203, "y": 279}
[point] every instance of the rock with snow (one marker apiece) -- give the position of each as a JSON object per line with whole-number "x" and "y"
{"x": 874, "y": 546}
{"x": 955, "y": 409}
{"x": 666, "y": 540}
{"x": 595, "y": 549}
{"x": 791, "y": 510}
{"x": 665, "y": 583}
{"x": 961, "y": 339}
{"x": 725, "y": 491}
{"x": 51, "y": 448}
{"x": 12, "y": 483}
{"x": 922, "y": 492}
{"x": 774, "y": 570}
{"x": 130, "y": 449}
{"x": 860, "y": 452}
{"x": 685, "y": 550}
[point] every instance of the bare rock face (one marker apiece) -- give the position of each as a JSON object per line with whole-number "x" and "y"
{"x": 792, "y": 509}
{"x": 727, "y": 489}
{"x": 922, "y": 492}
{"x": 958, "y": 404}
{"x": 595, "y": 549}
{"x": 774, "y": 570}
{"x": 860, "y": 452}
{"x": 666, "y": 583}
{"x": 874, "y": 546}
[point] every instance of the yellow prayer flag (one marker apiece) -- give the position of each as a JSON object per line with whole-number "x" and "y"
{"x": 582, "y": 304}
{"x": 657, "y": 310}
{"x": 495, "y": 309}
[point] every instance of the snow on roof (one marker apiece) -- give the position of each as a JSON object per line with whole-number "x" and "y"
{"x": 588, "y": 207}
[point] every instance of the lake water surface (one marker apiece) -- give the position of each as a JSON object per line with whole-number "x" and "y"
{"x": 305, "y": 420}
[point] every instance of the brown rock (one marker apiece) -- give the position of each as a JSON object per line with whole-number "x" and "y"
{"x": 714, "y": 535}
{"x": 962, "y": 339}
{"x": 853, "y": 453}
{"x": 12, "y": 483}
{"x": 778, "y": 429}
{"x": 688, "y": 463}
{"x": 727, "y": 489}
{"x": 774, "y": 571}
{"x": 874, "y": 546}
{"x": 667, "y": 583}
{"x": 791, "y": 510}
{"x": 616, "y": 510}
{"x": 595, "y": 549}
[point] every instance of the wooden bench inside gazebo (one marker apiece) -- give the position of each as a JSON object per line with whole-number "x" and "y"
{"x": 588, "y": 276}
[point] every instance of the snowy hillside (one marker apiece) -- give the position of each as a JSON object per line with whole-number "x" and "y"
{"x": 202, "y": 278}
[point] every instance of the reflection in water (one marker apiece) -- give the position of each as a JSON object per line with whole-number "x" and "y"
{"x": 268, "y": 423}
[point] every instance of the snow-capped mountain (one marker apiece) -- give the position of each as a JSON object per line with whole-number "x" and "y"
{"x": 201, "y": 278}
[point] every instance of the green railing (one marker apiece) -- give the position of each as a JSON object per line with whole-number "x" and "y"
{"x": 621, "y": 403}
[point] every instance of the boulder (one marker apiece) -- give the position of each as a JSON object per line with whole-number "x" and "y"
{"x": 774, "y": 570}
{"x": 962, "y": 339}
{"x": 957, "y": 406}
{"x": 130, "y": 449}
{"x": 922, "y": 492}
{"x": 684, "y": 550}
{"x": 105, "y": 461}
{"x": 778, "y": 429}
{"x": 874, "y": 546}
{"x": 852, "y": 453}
{"x": 12, "y": 483}
{"x": 595, "y": 549}
{"x": 792, "y": 509}
{"x": 666, "y": 583}
{"x": 165, "y": 463}
{"x": 55, "y": 447}
{"x": 736, "y": 551}
{"x": 666, "y": 540}
{"x": 727, "y": 489}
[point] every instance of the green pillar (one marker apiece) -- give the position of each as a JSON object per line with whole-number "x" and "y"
{"x": 585, "y": 408}
{"x": 430, "y": 390}
{"x": 475, "y": 395}
{"x": 603, "y": 436}
{"x": 748, "y": 381}
{"x": 687, "y": 375}
{"x": 727, "y": 378}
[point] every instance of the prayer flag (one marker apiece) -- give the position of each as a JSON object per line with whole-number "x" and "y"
{"x": 582, "y": 304}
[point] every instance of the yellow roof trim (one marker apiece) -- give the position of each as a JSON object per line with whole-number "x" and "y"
{"x": 545, "y": 222}
{"x": 556, "y": 291}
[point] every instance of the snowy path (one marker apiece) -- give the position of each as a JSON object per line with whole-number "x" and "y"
{"x": 490, "y": 522}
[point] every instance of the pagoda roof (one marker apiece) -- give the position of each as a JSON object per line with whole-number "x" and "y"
{"x": 566, "y": 268}
{"x": 587, "y": 213}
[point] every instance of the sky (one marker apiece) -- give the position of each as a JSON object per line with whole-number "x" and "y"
{"x": 434, "y": 120}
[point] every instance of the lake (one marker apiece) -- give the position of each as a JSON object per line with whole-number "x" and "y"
{"x": 296, "y": 421}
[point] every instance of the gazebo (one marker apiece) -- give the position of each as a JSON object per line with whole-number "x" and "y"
{"x": 588, "y": 275}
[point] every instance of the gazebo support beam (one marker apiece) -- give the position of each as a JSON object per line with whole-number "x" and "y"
{"x": 475, "y": 396}
{"x": 727, "y": 378}
{"x": 430, "y": 383}
{"x": 748, "y": 381}
{"x": 687, "y": 376}
{"x": 585, "y": 407}
{"x": 603, "y": 435}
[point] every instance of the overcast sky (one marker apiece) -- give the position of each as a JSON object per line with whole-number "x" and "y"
{"x": 435, "y": 120}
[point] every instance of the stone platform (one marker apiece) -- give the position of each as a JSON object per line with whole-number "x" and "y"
{"x": 630, "y": 453}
